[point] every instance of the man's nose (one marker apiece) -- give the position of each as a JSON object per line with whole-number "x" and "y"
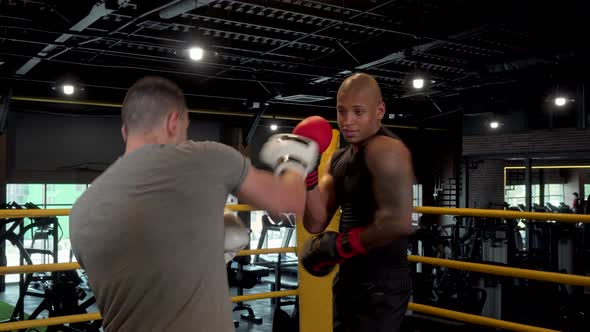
{"x": 345, "y": 119}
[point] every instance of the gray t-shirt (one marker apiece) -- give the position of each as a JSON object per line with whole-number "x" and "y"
{"x": 149, "y": 233}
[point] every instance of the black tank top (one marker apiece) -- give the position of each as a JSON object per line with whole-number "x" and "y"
{"x": 355, "y": 196}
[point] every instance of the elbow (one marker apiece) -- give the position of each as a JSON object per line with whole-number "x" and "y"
{"x": 406, "y": 231}
{"x": 405, "y": 228}
{"x": 313, "y": 228}
{"x": 402, "y": 227}
{"x": 394, "y": 227}
{"x": 314, "y": 224}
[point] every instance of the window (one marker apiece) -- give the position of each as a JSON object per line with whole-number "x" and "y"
{"x": 25, "y": 193}
{"x": 554, "y": 194}
{"x": 45, "y": 196}
{"x": 586, "y": 190}
{"x": 416, "y": 200}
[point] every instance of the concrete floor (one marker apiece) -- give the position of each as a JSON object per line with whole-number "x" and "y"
{"x": 261, "y": 308}
{"x": 264, "y": 309}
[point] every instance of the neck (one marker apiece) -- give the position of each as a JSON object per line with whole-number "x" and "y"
{"x": 135, "y": 142}
{"x": 356, "y": 146}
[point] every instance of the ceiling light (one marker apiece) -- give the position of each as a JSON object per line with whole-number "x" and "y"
{"x": 560, "y": 101}
{"x": 274, "y": 127}
{"x": 418, "y": 83}
{"x": 68, "y": 89}
{"x": 494, "y": 124}
{"x": 195, "y": 53}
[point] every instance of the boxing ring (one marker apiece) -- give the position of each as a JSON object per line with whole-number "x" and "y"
{"x": 314, "y": 294}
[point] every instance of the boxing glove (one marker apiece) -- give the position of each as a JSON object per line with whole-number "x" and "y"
{"x": 320, "y": 131}
{"x": 237, "y": 236}
{"x": 322, "y": 252}
{"x": 288, "y": 151}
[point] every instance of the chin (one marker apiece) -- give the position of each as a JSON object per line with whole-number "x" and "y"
{"x": 352, "y": 140}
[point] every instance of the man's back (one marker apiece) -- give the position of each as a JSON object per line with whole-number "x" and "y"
{"x": 149, "y": 232}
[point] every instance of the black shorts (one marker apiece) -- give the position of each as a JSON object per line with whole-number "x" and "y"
{"x": 377, "y": 306}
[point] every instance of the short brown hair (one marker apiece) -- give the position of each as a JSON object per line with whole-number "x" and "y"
{"x": 149, "y": 100}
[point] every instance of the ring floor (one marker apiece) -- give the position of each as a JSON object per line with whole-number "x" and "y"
{"x": 263, "y": 309}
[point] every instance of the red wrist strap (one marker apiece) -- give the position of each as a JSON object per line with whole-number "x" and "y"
{"x": 354, "y": 238}
{"x": 349, "y": 244}
{"x": 312, "y": 179}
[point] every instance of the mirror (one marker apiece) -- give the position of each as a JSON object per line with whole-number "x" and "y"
{"x": 553, "y": 188}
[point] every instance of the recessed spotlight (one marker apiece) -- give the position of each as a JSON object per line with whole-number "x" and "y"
{"x": 560, "y": 101}
{"x": 418, "y": 83}
{"x": 274, "y": 127}
{"x": 68, "y": 89}
{"x": 494, "y": 124}
{"x": 195, "y": 53}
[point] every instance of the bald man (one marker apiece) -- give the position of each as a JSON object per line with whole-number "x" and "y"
{"x": 370, "y": 180}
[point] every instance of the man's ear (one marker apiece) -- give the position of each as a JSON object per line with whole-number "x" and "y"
{"x": 172, "y": 122}
{"x": 381, "y": 110}
{"x": 124, "y": 133}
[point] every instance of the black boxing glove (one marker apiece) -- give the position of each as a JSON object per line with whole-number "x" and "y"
{"x": 322, "y": 252}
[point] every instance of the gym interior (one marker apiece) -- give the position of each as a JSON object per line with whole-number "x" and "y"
{"x": 489, "y": 96}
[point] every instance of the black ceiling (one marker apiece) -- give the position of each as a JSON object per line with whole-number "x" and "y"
{"x": 479, "y": 54}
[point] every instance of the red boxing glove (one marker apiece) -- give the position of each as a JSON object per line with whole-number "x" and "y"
{"x": 319, "y": 130}
{"x": 322, "y": 252}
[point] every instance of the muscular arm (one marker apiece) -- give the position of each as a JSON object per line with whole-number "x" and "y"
{"x": 274, "y": 194}
{"x": 389, "y": 162}
{"x": 320, "y": 204}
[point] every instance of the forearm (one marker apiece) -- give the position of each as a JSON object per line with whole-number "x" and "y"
{"x": 320, "y": 253}
{"x": 315, "y": 218}
{"x": 275, "y": 194}
{"x": 387, "y": 227}
{"x": 290, "y": 194}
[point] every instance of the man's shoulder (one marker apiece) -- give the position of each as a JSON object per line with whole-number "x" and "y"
{"x": 385, "y": 144}
{"x": 209, "y": 147}
{"x": 218, "y": 154}
{"x": 204, "y": 145}
{"x": 385, "y": 154}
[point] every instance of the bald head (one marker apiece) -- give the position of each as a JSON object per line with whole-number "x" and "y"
{"x": 360, "y": 107}
{"x": 361, "y": 83}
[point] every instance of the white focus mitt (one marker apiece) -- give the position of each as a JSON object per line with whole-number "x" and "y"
{"x": 289, "y": 151}
{"x": 237, "y": 236}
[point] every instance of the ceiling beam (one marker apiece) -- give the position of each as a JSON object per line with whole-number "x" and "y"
{"x": 422, "y": 48}
{"x": 338, "y": 21}
{"x": 98, "y": 11}
{"x": 399, "y": 55}
{"x": 316, "y": 32}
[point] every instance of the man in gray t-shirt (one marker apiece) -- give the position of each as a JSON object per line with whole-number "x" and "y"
{"x": 149, "y": 231}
